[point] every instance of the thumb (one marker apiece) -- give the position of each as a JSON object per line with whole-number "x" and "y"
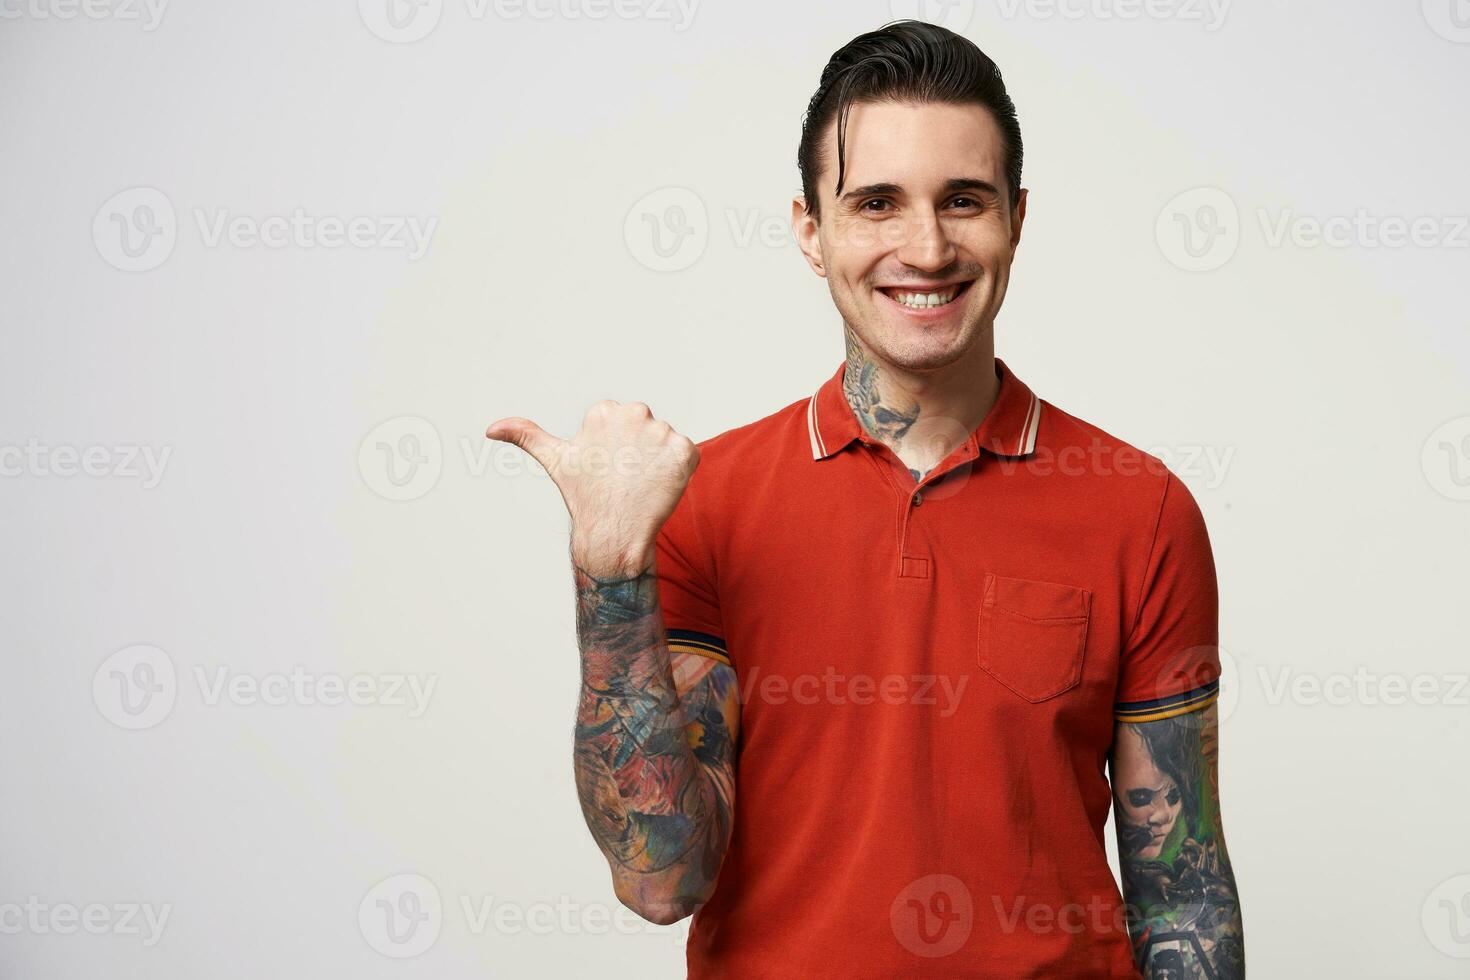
{"x": 529, "y": 436}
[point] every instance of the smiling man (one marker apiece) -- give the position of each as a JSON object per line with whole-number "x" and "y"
{"x": 775, "y": 610}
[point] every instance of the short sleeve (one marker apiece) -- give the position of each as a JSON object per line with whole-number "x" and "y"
{"x": 1170, "y": 664}
{"x": 686, "y": 584}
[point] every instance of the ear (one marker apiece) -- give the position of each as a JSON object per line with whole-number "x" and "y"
{"x": 1018, "y": 218}
{"x": 808, "y": 236}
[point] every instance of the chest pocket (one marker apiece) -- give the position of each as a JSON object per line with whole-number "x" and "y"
{"x": 1032, "y": 635}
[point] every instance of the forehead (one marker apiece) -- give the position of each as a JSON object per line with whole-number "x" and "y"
{"x": 918, "y": 146}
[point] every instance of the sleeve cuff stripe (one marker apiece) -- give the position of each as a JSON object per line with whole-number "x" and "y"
{"x": 692, "y": 641}
{"x": 1168, "y": 707}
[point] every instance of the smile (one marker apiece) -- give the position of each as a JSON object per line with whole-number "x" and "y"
{"x": 925, "y": 300}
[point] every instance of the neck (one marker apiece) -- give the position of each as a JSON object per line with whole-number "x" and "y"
{"x": 921, "y": 415}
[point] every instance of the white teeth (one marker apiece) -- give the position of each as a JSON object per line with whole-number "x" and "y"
{"x": 924, "y": 300}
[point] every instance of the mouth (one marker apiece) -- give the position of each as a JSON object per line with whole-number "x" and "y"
{"x": 929, "y": 300}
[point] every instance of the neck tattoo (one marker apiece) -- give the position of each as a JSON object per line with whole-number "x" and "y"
{"x": 886, "y": 422}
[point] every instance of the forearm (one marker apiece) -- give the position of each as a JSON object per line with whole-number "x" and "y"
{"x": 1178, "y": 881}
{"x": 1197, "y": 910}
{"x": 653, "y": 806}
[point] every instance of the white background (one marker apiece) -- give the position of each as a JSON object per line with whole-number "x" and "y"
{"x": 1320, "y": 378}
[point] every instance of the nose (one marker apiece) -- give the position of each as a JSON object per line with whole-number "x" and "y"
{"x": 925, "y": 244}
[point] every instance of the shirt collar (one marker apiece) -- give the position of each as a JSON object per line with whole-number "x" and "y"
{"x": 1009, "y": 429}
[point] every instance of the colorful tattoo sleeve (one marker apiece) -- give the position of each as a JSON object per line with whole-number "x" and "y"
{"x": 1183, "y": 910}
{"x": 654, "y": 749}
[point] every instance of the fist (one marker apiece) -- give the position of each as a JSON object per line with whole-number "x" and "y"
{"x": 620, "y": 476}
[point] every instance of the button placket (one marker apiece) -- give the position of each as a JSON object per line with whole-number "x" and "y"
{"x": 910, "y": 566}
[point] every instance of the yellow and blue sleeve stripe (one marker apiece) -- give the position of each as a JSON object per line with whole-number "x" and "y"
{"x": 693, "y": 641}
{"x": 1168, "y": 707}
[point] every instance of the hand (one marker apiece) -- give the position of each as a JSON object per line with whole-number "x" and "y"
{"x": 621, "y": 476}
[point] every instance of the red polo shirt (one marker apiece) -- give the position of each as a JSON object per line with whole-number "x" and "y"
{"x": 929, "y": 677}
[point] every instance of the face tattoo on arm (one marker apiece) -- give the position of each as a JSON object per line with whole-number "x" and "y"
{"x": 1183, "y": 909}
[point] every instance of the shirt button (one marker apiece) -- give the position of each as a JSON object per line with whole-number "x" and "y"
{"x": 918, "y": 498}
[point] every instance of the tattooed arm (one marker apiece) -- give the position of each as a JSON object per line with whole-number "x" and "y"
{"x": 655, "y": 734}
{"x": 655, "y": 743}
{"x": 1178, "y": 885}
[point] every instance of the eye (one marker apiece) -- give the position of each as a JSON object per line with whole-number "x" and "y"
{"x": 1140, "y": 797}
{"x": 872, "y": 200}
{"x": 966, "y": 202}
{"x": 1172, "y": 797}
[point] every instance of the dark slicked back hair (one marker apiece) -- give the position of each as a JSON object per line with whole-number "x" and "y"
{"x": 904, "y": 61}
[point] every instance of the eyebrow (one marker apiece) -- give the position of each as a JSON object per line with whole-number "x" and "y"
{"x": 950, "y": 186}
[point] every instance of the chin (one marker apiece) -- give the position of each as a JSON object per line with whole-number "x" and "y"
{"x": 921, "y": 350}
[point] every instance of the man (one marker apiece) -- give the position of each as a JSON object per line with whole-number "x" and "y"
{"x": 909, "y": 618}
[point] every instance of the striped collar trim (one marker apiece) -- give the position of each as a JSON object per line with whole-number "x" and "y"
{"x": 1009, "y": 429}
